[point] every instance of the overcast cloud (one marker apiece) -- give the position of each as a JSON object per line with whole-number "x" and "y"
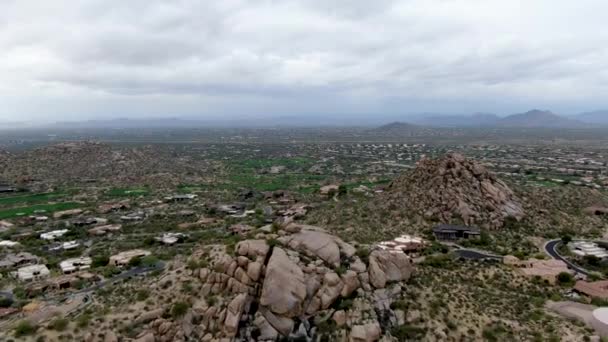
{"x": 69, "y": 60}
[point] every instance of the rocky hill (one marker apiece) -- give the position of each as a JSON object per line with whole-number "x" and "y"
{"x": 454, "y": 189}
{"x": 77, "y": 162}
{"x": 301, "y": 284}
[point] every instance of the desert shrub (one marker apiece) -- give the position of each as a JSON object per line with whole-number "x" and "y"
{"x": 179, "y": 309}
{"x": 24, "y": 328}
{"x": 565, "y": 278}
{"x": 59, "y": 324}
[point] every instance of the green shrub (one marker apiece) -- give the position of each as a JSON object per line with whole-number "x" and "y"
{"x": 59, "y": 324}
{"x": 179, "y": 309}
{"x": 24, "y": 328}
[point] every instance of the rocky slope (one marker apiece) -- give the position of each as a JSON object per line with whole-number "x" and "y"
{"x": 453, "y": 189}
{"x": 299, "y": 283}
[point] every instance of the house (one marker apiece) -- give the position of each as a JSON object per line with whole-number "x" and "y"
{"x": 75, "y": 264}
{"x": 170, "y": 238}
{"x": 123, "y": 258}
{"x": 32, "y": 272}
{"x": 6, "y": 188}
{"x": 454, "y": 232}
{"x": 101, "y": 230}
{"x": 329, "y": 190}
{"x": 584, "y": 248}
{"x": 403, "y": 244}
{"x": 180, "y": 198}
{"x": 52, "y": 235}
{"x": 8, "y": 243}
{"x": 5, "y": 225}
{"x": 65, "y": 246}
{"x": 17, "y": 260}
{"x": 67, "y": 213}
{"x": 595, "y": 289}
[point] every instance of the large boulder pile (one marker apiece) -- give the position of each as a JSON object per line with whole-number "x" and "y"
{"x": 454, "y": 188}
{"x": 300, "y": 283}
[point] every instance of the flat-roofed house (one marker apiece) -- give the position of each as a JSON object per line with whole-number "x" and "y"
{"x": 123, "y": 258}
{"x": 17, "y": 260}
{"x": 454, "y": 232}
{"x": 75, "y": 264}
{"x": 32, "y": 272}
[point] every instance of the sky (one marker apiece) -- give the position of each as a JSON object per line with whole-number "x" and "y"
{"x": 89, "y": 59}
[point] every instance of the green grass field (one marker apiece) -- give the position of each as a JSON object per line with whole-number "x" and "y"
{"x": 29, "y": 199}
{"x": 48, "y": 208}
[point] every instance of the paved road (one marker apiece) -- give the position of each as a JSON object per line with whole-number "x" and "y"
{"x": 127, "y": 274}
{"x": 551, "y": 250}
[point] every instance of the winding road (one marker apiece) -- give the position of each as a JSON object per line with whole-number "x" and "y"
{"x": 551, "y": 250}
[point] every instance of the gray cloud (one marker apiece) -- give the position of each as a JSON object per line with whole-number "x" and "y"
{"x": 86, "y": 59}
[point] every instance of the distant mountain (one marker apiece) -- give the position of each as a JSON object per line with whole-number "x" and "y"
{"x": 475, "y": 120}
{"x": 596, "y": 117}
{"x": 398, "y": 128}
{"x": 540, "y": 118}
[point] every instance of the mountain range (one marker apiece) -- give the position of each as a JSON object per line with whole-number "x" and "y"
{"x": 534, "y": 118}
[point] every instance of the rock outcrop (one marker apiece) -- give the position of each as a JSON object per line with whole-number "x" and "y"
{"x": 454, "y": 188}
{"x": 288, "y": 288}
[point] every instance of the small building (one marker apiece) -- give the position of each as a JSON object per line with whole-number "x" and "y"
{"x": 52, "y": 235}
{"x": 17, "y": 260}
{"x": 454, "y": 232}
{"x": 32, "y": 272}
{"x": 75, "y": 264}
{"x": 123, "y": 258}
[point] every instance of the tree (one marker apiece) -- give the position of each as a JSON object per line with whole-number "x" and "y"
{"x": 566, "y": 239}
{"x": 565, "y": 278}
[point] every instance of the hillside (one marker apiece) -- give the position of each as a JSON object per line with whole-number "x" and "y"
{"x": 95, "y": 162}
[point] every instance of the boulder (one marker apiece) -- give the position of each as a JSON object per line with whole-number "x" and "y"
{"x": 385, "y": 266}
{"x": 284, "y": 288}
{"x": 282, "y": 324}
{"x": 315, "y": 243}
{"x": 233, "y": 314}
{"x": 252, "y": 248}
{"x": 365, "y": 333}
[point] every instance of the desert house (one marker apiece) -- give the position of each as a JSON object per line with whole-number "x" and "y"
{"x": 32, "y": 272}
{"x": 454, "y": 232}
{"x": 75, "y": 264}
{"x": 123, "y": 258}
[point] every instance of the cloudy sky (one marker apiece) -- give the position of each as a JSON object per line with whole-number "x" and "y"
{"x": 67, "y": 60}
